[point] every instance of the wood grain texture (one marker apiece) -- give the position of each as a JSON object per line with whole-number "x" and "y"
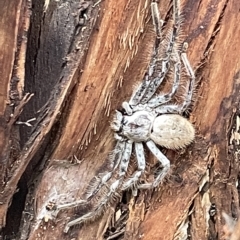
{"x": 14, "y": 22}
{"x": 116, "y": 60}
{"x": 98, "y": 67}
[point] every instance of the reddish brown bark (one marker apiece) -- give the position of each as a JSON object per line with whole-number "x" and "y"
{"x": 103, "y": 62}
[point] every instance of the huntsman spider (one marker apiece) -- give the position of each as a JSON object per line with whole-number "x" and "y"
{"x": 149, "y": 119}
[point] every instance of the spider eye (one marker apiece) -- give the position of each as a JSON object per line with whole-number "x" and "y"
{"x": 134, "y": 126}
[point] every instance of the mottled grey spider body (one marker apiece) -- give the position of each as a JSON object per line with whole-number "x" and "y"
{"x": 148, "y": 119}
{"x": 168, "y": 130}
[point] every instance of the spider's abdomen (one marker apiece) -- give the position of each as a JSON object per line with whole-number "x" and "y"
{"x": 172, "y": 131}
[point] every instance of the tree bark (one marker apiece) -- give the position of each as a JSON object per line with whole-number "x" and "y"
{"x": 82, "y": 60}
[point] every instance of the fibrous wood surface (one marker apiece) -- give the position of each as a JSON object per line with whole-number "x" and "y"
{"x": 80, "y": 69}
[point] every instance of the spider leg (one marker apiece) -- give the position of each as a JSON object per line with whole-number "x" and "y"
{"x": 191, "y": 76}
{"x": 165, "y": 164}
{"x": 141, "y": 166}
{"x": 162, "y": 63}
{"x": 112, "y": 191}
{"x": 157, "y": 22}
{"x": 67, "y": 206}
{"x": 179, "y": 109}
{"x": 125, "y": 159}
{"x": 164, "y": 98}
{"x": 98, "y": 181}
{"x": 97, "y": 211}
{"x": 169, "y": 108}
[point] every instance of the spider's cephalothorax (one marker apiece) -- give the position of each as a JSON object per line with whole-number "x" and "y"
{"x": 136, "y": 127}
{"x": 149, "y": 119}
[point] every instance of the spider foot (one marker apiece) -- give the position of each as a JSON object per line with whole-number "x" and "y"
{"x": 145, "y": 186}
{"x": 67, "y": 206}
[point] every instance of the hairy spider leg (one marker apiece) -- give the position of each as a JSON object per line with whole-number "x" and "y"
{"x": 101, "y": 180}
{"x": 176, "y": 12}
{"x": 139, "y": 150}
{"x": 164, "y": 98}
{"x": 114, "y": 158}
{"x": 113, "y": 191}
{"x": 157, "y": 22}
{"x": 168, "y": 44}
{"x": 125, "y": 159}
{"x": 179, "y": 109}
{"x": 164, "y": 162}
{"x": 97, "y": 211}
{"x": 191, "y": 76}
{"x": 67, "y": 206}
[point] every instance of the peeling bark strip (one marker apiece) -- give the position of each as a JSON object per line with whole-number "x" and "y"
{"x": 204, "y": 178}
{"x": 14, "y": 25}
{"x": 45, "y": 121}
